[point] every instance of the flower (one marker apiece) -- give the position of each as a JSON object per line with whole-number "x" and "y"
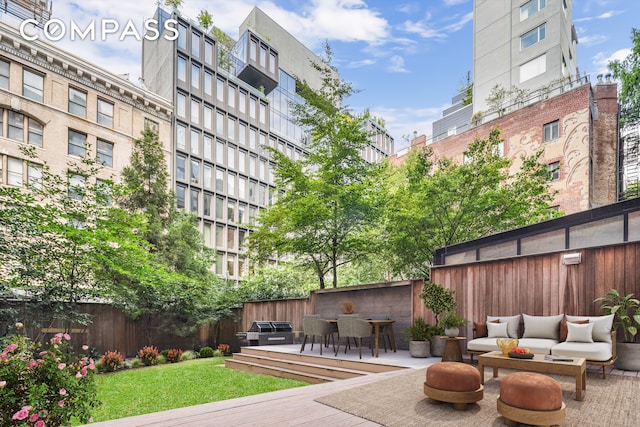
{"x": 19, "y": 325}
{"x": 62, "y": 392}
{"x": 33, "y": 418}
{"x": 61, "y": 366}
{"x": 3, "y": 383}
{"x": 22, "y": 413}
{"x": 40, "y": 423}
{"x": 85, "y": 347}
{"x": 67, "y": 337}
{"x": 61, "y": 403}
{"x": 11, "y": 347}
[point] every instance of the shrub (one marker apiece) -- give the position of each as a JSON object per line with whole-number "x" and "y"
{"x": 135, "y": 363}
{"x": 206, "y": 352}
{"x": 174, "y": 355}
{"x": 112, "y": 361}
{"x": 148, "y": 355}
{"x": 47, "y": 387}
{"x": 188, "y": 355}
{"x": 224, "y": 348}
{"x": 218, "y": 353}
{"x": 164, "y": 353}
{"x": 162, "y": 360}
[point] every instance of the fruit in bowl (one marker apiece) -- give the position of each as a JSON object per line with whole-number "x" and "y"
{"x": 521, "y": 350}
{"x": 521, "y": 353}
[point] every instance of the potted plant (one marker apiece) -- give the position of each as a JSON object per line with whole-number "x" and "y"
{"x": 419, "y": 335}
{"x": 438, "y": 299}
{"x": 451, "y": 322}
{"x": 626, "y": 312}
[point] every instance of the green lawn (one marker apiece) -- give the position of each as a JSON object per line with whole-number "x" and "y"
{"x": 158, "y": 388}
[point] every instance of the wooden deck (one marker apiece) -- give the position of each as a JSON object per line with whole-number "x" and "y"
{"x": 292, "y": 407}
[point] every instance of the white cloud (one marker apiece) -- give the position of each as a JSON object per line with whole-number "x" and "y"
{"x": 601, "y": 60}
{"x": 592, "y": 40}
{"x": 396, "y": 64}
{"x": 405, "y": 121}
{"x": 457, "y": 26}
{"x": 362, "y": 63}
{"x": 454, "y": 2}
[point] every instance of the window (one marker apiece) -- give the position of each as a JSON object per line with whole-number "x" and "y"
{"x": 263, "y": 57}
{"x": 195, "y": 112}
{"x": 180, "y": 192}
{"x": 219, "y": 123}
{"x": 231, "y": 209}
{"x": 208, "y": 176}
{"x": 181, "y": 162}
{"x": 208, "y": 117}
{"x": 231, "y": 128}
{"x": 14, "y": 172}
{"x": 105, "y": 113}
{"x": 219, "y": 208}
{"x": 220, "y": 90}
{"x": 195, "y": 171}
{"x": 551, "y": 131}
{"x": 242, "y": 161}
{"x": 252, "y": 107}
{"x": 16, "y": 126}
{"x": 219, "y": 180}
{"x": 206, "y": 205}
{"x": 4, "y": 74}
{"x": 77, "y": 144}
{"x": 231, "y": 184}
{"x": 554, "y": 171}
{"x": 195, "y": 45}
{"x": 531, "y": 7}
{"x": 76, "y": 186}
{"x": 32, "y": 85}
{"x": 34, "y": 175}
{"x": 272, "y": 62}
{"x": 181, "y": 137}
{"x": 195, "y": 142}
{"x": 231, "y": 156}
{"x": 532, "y": 37}
{"x": 207, "y": 143}
{"x": 208, "y": 82}
{"x": 181, "y": 107}
{"x": 208, "y": 53}
{"x": 231, "y": 240}
{"x": 219, "y": 236}
{"x": 533, "y": 68}
{"x": 182, "y": 37}
{"x": 231, "y": 96}
{"x": 195, "y": 76}
{"x": 263, "y": 113}
{"x": 242, "y": 101}
{"x": 219, "y": 265}
{"x": 182, "y": 69}
{"x": 77, "y": 102}
{"x": 242, "y": 187}
{"x": 193, "y": 202}
{"x": 220, "y": 152}
{"x": 241, "y": 213}
{"x": 105, "y": 153}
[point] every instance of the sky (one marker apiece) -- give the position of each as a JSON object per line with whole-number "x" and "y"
{"x": 406, "y": 58}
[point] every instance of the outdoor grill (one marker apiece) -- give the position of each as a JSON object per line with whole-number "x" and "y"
{"x": 270, "y": 333}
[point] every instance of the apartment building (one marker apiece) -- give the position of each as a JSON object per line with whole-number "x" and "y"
{"x": 231, "y": 101}
{"x": 68, "y": 109}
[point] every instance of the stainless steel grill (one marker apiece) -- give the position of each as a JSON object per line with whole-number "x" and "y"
{"x": 270, "y": 333}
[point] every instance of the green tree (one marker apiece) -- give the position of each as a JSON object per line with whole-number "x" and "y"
{"x": 182, "y": 296}
{"x": 205, "y": 19}
{"x": 628, "y": 72}
{"x": 439, "y": 203}
{"x": 328, "y": 207}
{"x": 60, "y": 239}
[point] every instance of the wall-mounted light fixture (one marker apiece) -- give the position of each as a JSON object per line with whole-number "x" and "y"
{"x": 571, "y": 259}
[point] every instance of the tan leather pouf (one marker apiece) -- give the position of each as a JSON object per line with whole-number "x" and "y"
{"x": 530, "y": 398}
{"x": 453, "y": 382}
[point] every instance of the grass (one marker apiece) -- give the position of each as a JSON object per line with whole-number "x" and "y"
{"x": 175, "y": 385}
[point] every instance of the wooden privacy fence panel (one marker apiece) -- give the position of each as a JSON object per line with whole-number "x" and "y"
{"x": 541, "y": 285}
{"x": 290, "y": 310}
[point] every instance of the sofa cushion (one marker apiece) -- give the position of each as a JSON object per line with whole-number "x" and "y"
{"x": 579, "y": 332}
{"x": 483, "y": 344}
{"x": 601, "y": 326}
{"x": 537, "y": 345}
{"x": 563, "y": 327}
{"x": 497, "y": 330}
{"x": 595, "y": 351}
{"x": 513, "y": 323}
{"x": 542, "y": 326}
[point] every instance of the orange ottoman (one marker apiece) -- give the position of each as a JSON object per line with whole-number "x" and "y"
{"x": 530, "y": 398}
{"x": 453, "y": 382}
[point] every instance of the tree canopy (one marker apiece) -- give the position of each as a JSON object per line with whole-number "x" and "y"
{"x": 628, "y": 72}
{"x": 437, "y": 202}
{"x": 327, "y": 206}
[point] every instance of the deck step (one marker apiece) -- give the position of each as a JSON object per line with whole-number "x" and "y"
{"x": 302, "y": 367}
{"x": 258, "y": 368}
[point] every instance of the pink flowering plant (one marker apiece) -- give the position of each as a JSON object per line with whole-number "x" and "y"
{"x": 148, "y": 355}
{"x": 174, "y": 355}
{"x": 112, "y": 361}
{"x": 44, "y": 386}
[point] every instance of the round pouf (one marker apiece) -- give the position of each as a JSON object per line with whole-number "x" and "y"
{"x": 530, "y": 398}
{"x": 453, "y": 382}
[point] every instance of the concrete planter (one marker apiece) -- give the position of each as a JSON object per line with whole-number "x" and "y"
{"x": 419, "y": 348}
{"x": 628, "y": 356}
{"x": 437, "y": 346}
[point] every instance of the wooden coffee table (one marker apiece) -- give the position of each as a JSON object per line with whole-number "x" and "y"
{"x": 576, "y": 368}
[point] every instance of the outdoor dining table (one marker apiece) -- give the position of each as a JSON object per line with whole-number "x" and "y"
{"x": 377, "y": 325}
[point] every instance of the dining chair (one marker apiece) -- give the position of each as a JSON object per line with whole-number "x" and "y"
{"x": 314, "y": 326}
{"x": 352, "y": 327}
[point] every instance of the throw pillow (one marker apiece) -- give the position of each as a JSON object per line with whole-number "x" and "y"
{"x": 542, "y": 326}
{"x": 481, "y": 329}
{"x": 601, "y": 326}
{"x": 497, "y": 330}
{"x": 563, "y": 327}
{"x": 513, "y": 324}
{"x": 579, "y": 332}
